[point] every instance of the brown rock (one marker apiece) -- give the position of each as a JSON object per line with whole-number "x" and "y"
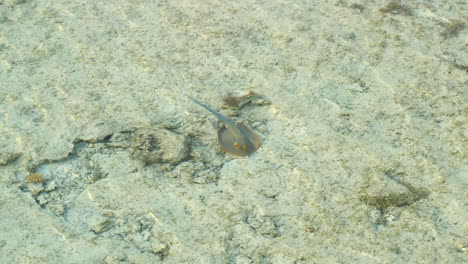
{"x": 154, "y": 145}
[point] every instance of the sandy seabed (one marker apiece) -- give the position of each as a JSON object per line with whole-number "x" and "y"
{"x": 361, "y": 108}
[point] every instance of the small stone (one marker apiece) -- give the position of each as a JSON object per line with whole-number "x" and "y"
{"x": 36, "y": 188}
{"x": 159, "y": 248}
{"x": 384, "y": 192}
{"x": 265, "y": 226}
{"x": 7, "y": 157}
{"x": 57, "y": 207}
{"x": 115, "y": 257}
{"x": 42, "y": 198}
{"x": 50, "y": 186}
{"x": 119, "y": 140}
{"x": 235, "y": 100}
{"x": 100, "y": 224}
{"x": 206, "y": 176}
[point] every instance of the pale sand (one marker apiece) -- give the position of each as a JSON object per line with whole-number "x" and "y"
{"x": 364, "y": 139}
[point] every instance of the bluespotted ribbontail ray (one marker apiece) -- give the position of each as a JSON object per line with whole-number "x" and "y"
{"x": 237, "y": 139}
